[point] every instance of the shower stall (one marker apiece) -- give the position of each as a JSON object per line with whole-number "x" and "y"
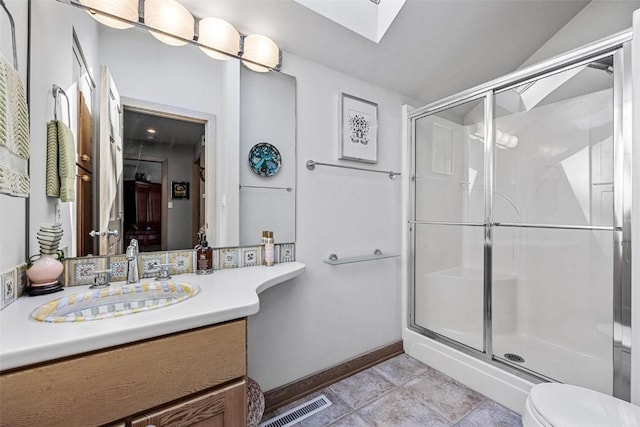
{"x": 519, "y": 220}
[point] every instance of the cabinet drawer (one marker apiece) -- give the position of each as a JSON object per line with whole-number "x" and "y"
{"x": 222, "y": 407}
{"x": 108, "y": 385}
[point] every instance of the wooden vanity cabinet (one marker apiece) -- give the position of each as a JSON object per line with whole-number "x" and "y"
{"x": 217, "y": 408}
{"x": 192, "y": 378}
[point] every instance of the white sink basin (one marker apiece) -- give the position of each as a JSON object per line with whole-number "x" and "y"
{"x": 114, "y": 301}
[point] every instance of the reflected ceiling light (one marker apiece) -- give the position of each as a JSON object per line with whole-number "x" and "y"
{"x": 170, "y": 17}
{"x": 125, "y": 9}
{"x": 260, "y": 49}
{"x": 151, "y": 130}
{"x": 503, "y": 139}
{"x": 220, "y": 35}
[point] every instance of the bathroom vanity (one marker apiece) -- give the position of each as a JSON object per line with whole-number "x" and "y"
{"x": 202, "y": 372}
{"x": 179, "y": 365}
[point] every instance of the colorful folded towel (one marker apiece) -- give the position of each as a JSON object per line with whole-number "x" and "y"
{"x": 14, "y": 133}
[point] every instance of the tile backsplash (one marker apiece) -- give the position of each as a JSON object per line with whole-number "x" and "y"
{"x": 12, "y": 283}
{"x": 81, "y": 271}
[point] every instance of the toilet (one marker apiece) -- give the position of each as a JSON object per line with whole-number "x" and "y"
{"x": 564, "y": 405}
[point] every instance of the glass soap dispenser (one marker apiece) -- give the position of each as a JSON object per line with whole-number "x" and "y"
{"x": 204, "y": 257}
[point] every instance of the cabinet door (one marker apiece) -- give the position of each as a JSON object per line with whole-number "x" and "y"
{"x": 85, "y": 135}
{"x": 142, "y": 206}
{"x": 223, "y": 407}
{"x": 155, "y": 206}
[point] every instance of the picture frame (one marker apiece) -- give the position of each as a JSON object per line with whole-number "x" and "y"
{"x": 358, "y": 129}
{"x": 180, "y": 190}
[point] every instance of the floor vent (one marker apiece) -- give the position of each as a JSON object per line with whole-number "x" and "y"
{"x": 514, "y": 357}
{"x": 299, "y": 413}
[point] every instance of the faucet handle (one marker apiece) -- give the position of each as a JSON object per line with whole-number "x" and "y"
{"x": 132, "y": 249}
{"x": 101, "y": 279}
{"x": 164, "y": 271}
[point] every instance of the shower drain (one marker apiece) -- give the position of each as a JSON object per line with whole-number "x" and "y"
{"x": 514, "y": 357}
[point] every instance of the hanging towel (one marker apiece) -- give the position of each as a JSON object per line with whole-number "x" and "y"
{"x": 14, "y": 133}
{"x": 66, "y": 163}
{"x": 61, "y": 162}
{"x": 52, "y": 178}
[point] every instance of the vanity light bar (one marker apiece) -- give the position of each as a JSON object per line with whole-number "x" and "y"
{"x": 194, "y": 41}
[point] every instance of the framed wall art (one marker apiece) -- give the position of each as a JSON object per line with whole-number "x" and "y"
{"x": 359, "y": 129}
{"x": 179, "y": 190}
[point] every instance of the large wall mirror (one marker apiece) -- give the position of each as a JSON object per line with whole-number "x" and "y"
{"x": 169, "y": 140}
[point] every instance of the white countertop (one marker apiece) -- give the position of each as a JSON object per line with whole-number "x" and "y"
{"x": 224, "y": 295}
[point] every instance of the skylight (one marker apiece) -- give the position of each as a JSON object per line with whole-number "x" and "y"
{"x": 370, "y": 19}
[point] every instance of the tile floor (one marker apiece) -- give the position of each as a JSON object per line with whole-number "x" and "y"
{"x": 403, "y": 392}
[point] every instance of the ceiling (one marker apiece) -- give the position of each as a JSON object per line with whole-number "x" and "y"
{"x": 434, "y": 48}
{"x": 169, "y": 132}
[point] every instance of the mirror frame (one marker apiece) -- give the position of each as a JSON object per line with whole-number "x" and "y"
{"x": 172, "y": 112}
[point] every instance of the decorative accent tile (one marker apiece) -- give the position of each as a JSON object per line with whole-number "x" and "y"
{"x": 148, "y": 263}
{"x": 181, "y": 262}
{"x": 81, "y": 271}
{"x": 118, "y": 265}
{"x": 21, "y": 279}
{"x": 8, "y": 287}
{"x": 216, "y": 259}
{"x": 285, "y": 252}
{"x": 229, "y": 257}
{"x": 250, "y": 257}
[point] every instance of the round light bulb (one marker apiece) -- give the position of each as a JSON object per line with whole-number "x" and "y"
{"x": 171, "y": 17}
{"x": 260, "y": 49}
{"x": 218, "y": 34}
{"x": 125, "y": 9}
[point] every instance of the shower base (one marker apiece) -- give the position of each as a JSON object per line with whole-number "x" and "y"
{"x": 545, "y": 358}
{"x": 556, "y": 362}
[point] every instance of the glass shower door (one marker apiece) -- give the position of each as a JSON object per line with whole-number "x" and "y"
{"x": 448, "y": 290}
{"x": 553, "y": 234}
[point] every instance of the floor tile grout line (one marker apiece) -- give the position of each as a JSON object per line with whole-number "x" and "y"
{"x": 341, "y": 417}
{"x": 432, "y": 408}
{"x": 395, "y": 387}
{"x": 355, "y": 410}
{"x": 473, "y": 408}
{"x": 423, "y": 371}
{"x": 370, "y": 400}
{"x": 404, "y": 382}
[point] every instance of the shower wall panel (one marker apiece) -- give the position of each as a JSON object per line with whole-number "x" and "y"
{"x": 551, "y": 188}
{"x": 526, "y": 273}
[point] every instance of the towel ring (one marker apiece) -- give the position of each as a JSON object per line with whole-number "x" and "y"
{"x": 13, "y": 34}
{"x": 57, "y": 90}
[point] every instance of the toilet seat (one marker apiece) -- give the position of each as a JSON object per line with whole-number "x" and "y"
{"x": 560, "y": 405}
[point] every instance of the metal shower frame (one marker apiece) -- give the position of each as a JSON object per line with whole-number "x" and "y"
{"x": 618, "y": 46}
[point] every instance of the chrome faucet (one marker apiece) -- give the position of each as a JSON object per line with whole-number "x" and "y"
{"x": 132, "y": 261}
